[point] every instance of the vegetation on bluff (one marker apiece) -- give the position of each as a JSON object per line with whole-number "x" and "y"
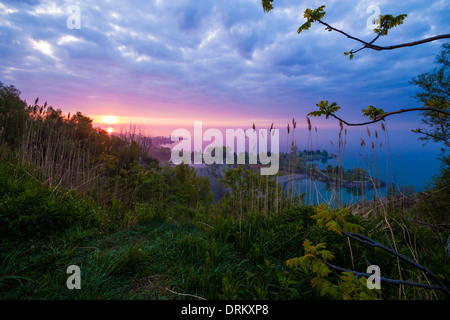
{"x": 72, "y": 194}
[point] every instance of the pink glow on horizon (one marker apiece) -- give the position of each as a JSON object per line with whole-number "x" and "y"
{"x": 165, "y": 126}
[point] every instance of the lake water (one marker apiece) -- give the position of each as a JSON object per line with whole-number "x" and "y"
{"x": 413, "y": 168}
{"x": 411, "y": 165}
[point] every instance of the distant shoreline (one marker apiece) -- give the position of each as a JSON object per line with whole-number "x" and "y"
{"x": 368, "y": 184}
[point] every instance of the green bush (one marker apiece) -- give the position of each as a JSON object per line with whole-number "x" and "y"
{"x": 29, "y": 209}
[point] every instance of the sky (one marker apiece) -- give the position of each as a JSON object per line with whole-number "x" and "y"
{"x": 161, "y": 65}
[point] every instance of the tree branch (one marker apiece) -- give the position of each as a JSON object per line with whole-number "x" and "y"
{"x": 366, "y": 240}
{"x": 433, "y": 136}
{"x": 383, "y": 116}
{"x": 379, "y": 48}
{"x": 346, "y": 34}
{"x": 411, "y": 44}
{"x": 444, "y": 135}
{"x": 354, "y": 124}
{"x": 185, "y": 294}
{"x": 370, "y": 43}
{"x": 428, "y": 224}
{"x": 393, "y": 281}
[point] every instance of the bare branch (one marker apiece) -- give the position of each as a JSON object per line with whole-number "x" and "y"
{"x": 370, "y": 45}
{"x": 411, "y": 44}
{"x": 185, "y": 294}
{"x": 428, "y": 224}
{"x": 345, "y": 34}
{"x": 383, "y": 116}
{"x": 393, "y": 281}
{"x": 354, "y": 124}
{"x": 366, "y": 240}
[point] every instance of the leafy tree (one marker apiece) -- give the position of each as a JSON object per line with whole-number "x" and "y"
{"x": 83, "y": 126}
{"x": 436, "y": 93}
{"x": 12, "y": 114}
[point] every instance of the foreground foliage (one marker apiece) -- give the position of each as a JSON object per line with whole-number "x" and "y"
{"x": 143, "y": 230}
{"x": 196, "y": 251}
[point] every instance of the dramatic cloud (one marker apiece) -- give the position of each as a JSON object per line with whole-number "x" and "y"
{"x": 212, "y": 60}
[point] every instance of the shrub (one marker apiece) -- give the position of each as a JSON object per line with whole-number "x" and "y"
{"x": 29, "y": 209}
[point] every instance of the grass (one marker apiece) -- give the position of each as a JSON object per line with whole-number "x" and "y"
{"x": 221, "y": 258}
{"x": 153, "y": 260}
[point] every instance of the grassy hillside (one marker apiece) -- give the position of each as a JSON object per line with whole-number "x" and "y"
{"x": 71, "y": 194}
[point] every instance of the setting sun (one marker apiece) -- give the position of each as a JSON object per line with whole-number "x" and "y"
{"x": 110, "y": 130}
{"x": 109, "y": 119}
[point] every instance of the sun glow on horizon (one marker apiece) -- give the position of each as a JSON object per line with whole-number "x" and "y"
{"x": 110, "y": 130}
{"x": 109, "y": 119}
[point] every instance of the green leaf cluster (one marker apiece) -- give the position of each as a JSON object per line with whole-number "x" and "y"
{"x": 348, "y": 287}
{"x": 314, "y": 262}
{"x": 353, "y": 288}
{"x": 373, "y": 112}
{"x": 387, "y": 22}
{"x": 310, "y": 260}
{"x": 325, "y": 109}
{"x": 311, "y": 17}
{"x": 349, "y": 53}
{"x": 335, "y": 220}
{"x": 267, "y": 5}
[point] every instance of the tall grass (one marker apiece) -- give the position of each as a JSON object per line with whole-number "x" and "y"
{"x": 51, "y": 144}
{"x": 386, "y": 202}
